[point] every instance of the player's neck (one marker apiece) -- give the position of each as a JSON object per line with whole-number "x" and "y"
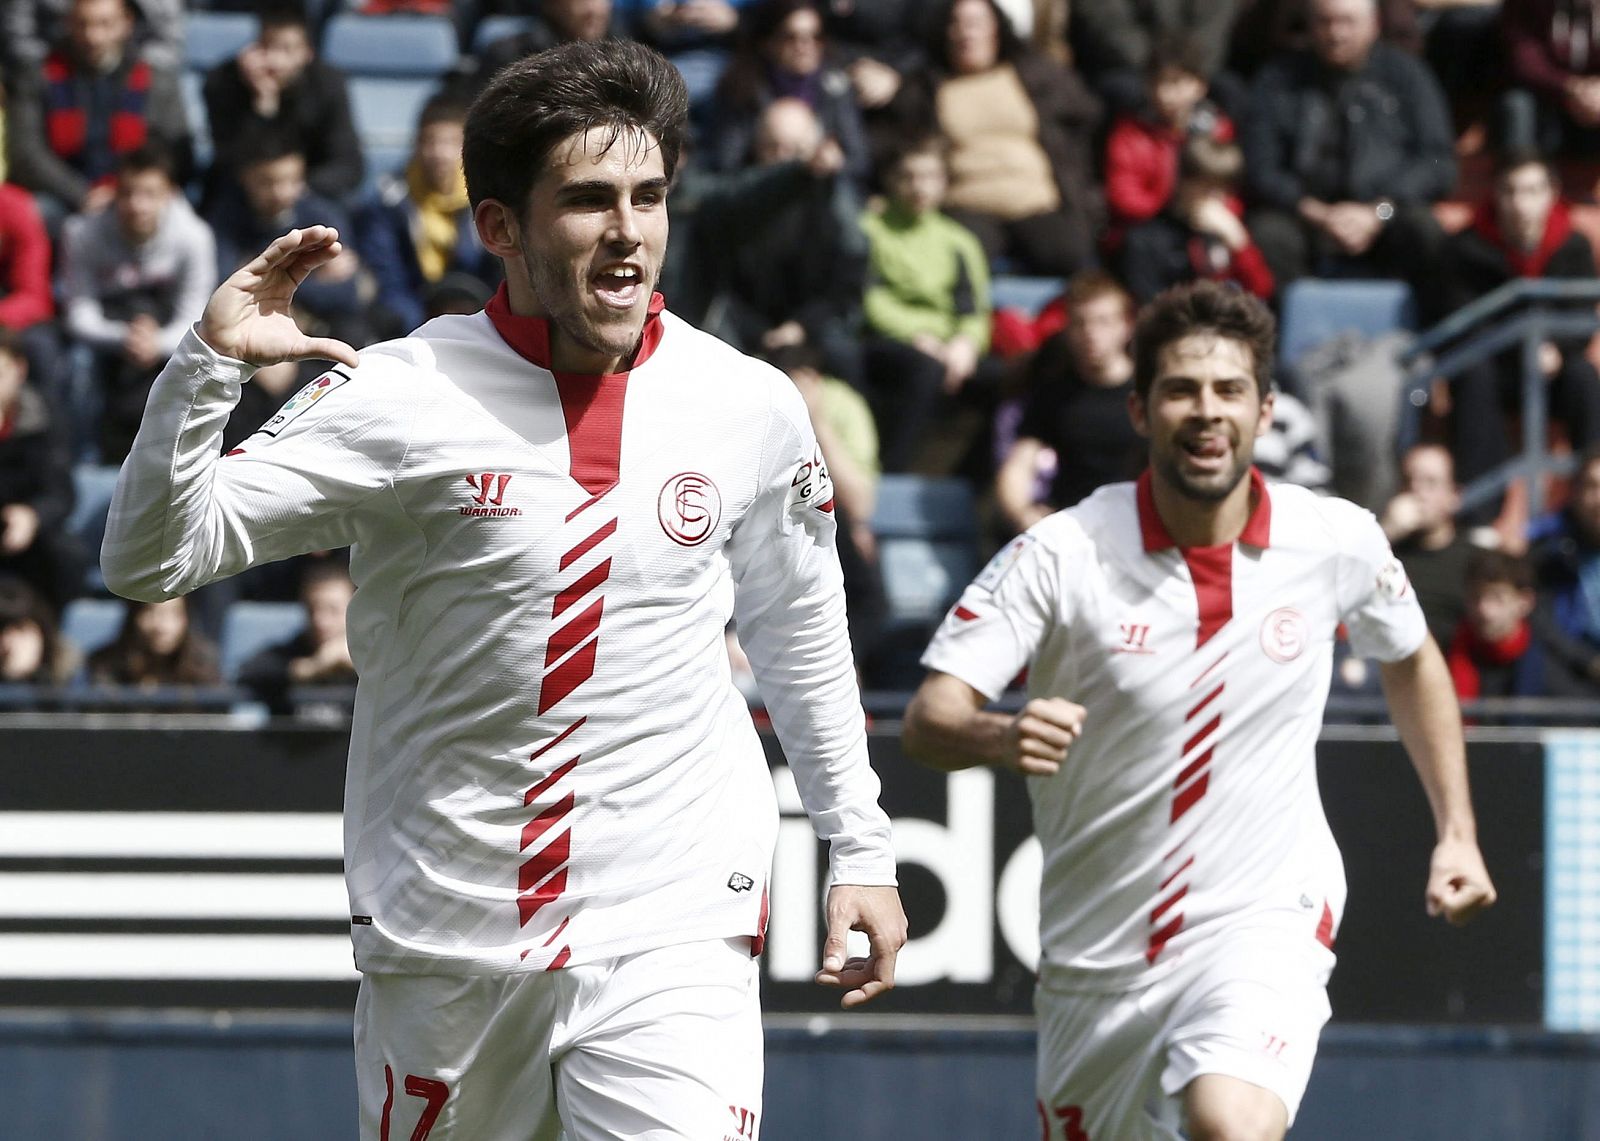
{"x": 1200, "y": 522}
{"x": 566, "y": 354}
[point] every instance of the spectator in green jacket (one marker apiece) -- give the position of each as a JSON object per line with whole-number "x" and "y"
{"x": 927, "y": 305}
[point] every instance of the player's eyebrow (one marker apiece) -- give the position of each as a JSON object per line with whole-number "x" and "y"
{"x": 606, "y": 186}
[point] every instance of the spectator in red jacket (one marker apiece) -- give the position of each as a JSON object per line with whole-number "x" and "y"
{"x": 1524, "y": 230}
{"x": 1201, "y": 233}
{"x": 27, "y": 302}
{"x": 1143, "y": 149}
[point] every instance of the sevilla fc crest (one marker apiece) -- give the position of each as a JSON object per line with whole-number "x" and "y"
{"x": 689, "y": 508}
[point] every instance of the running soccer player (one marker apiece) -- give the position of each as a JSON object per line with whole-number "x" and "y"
{"x": 559, "y": 823}
{"x": 1178, "y": 635}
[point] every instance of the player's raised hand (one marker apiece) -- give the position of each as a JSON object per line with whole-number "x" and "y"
{"x": 876, "y": 911}
{"x": 1038, "y": 737}
{"x": 249, "y": 317}
{"x": 1458, "y": 882}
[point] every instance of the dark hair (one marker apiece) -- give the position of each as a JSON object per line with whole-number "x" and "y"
{"x": 269, "y": 144}
{"x": 1514, "y": 158}
{"x": 20, "y": 603}
{"x": 1092, "y": 284}
{"x": 129, "y": 661}
{"x": 1011, "y": 46}
{"x": 283, "y": 14}
{"x": 442, "y": 107}
{"x": 916, "y": 145}
{"x": 317, "y": 572}
{"x": 1180, "y": 51}
{"x": 745, "y": 79}
{"x": 1487, "y": 567}
{"x": 152, "y": 156}
{"x": 1203, "y": 307}
{"x": 531, "y": 105}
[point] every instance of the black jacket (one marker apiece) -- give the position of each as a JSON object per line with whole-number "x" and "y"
{"x": 1381, "y": 132}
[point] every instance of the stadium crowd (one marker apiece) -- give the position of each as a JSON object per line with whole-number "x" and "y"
{"x": 878, "y": 197}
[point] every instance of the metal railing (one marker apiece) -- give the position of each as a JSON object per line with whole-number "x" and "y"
{"x": 1524, "y": 312}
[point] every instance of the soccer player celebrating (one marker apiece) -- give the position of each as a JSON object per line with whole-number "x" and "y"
{"x": 1178, "y": 635}
{"x": 558, "y": 819}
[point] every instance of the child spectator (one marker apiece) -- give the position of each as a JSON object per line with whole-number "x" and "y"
{"x": 927, "y": 302}
{"x": 156, "y": 646}
{"x": 1075, "y": 433}
{"x": 274, "y": 197}
{"x": 1201, "y": 234}
{"x": 1142, "y": 152}
{"x": 135, "y": 277}
{"x": 1524, "y": 230}
{"x": 278, "y": 84}
{"x": 1494, "y": 652}
{"x": 93, "y": 101}
{"x": 418, "y": 229}
{"x": 35, "y": 485}
{"x": 31, "y": 650}
{"x": 319, "y": 655}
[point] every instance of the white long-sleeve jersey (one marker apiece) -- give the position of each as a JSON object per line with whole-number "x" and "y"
{"x": 549, "y": 763}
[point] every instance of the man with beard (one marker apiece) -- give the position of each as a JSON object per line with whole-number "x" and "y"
{"x": 1178, "y": 635}
{"x": 559, "y": 818}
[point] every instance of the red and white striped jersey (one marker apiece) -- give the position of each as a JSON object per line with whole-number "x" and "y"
{"x": 549, "y": 763}
{"x": 1190, "y": 801}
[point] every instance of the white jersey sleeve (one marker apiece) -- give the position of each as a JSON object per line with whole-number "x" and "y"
{"x": 790, "y": 611}
{"x": 183, "y": 515}
{"x": 1376, "y": 602}
{"x": 995, "y": 629}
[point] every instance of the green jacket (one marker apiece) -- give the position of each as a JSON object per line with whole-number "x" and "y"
{"x": 926, "y": 274}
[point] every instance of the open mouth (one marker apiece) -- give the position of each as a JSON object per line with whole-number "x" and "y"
{"x": 1207, "y": 451}
{"x": 619, "y": 286}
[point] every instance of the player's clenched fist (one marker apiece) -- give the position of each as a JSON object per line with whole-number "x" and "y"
{"x": 1038, "y": 737}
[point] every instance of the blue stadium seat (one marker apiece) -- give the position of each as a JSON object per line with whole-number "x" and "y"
{"x": 211, "y": 37}
{"x": 1027, "y": 294}
{"x": 385, "y": 111}
{"x": 927, "y": 553}
{"x": 927, "y": 544}
{"x": 1314, "y": 311}
{"x": 90, "y": 623}
{"x": 191, "y": 84}
{"x": 250, "y": 627}
{"x": 390, "y": 45}
{"x": 492, "y": 28}
{"x": 93, "y": 486}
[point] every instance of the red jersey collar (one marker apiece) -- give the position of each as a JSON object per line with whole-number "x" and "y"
{"x": 530, "y": 336}
{"x": 1257, "y": 529}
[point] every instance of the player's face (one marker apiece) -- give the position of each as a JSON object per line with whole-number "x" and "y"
{"x": 1202, "y": 416}
{"x": 592, "y": 238}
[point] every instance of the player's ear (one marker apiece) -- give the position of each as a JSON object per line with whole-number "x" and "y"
{"x": 497, "y": 228}
{"x": 1139, "y": 414}
{"x": 1264, "y": 421}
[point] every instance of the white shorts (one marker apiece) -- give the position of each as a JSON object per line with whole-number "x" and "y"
{"x": 659, "y": 1046}
{"x": 1113, "y": 1066}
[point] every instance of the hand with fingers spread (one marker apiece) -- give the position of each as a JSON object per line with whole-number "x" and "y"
{"x": 1037, "y": 739}
{"x": 250, "y": 317}
{"x": 876, "y": 911}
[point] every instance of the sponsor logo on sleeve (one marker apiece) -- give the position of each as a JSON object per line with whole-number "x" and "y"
{"x": 302, "y": 400}
{"x": 991, "y": 576}
{"x": 811, "y": 487}
{"x": 1392, "y": 583}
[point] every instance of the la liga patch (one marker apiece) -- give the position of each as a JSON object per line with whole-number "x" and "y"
{"x": 300, "y": 401}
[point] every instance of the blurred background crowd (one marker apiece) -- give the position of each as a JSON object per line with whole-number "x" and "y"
{"x": 938, "y": 218}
